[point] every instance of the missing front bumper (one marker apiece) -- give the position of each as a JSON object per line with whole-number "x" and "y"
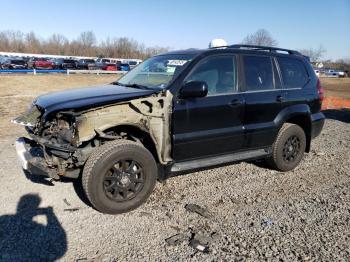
{"x": 32, "y": 158}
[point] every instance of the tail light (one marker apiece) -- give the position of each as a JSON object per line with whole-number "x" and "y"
{"x": 320, "y": 90}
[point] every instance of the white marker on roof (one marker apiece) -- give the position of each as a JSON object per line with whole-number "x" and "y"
{"x": 217, "y": 43}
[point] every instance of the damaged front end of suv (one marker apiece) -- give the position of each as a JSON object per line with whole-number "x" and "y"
{"x": 51, "y": 145}
{"x": 59, "y": 143}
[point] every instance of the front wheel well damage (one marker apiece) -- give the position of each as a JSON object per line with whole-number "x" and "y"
{"x": 136, "y": 134}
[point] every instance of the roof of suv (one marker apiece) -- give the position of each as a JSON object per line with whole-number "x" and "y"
{"x": 239, "y": 48}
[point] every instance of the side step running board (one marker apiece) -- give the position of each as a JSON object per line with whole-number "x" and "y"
{"x": 219, "y": 160}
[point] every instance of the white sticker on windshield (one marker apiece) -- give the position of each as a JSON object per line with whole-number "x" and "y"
{"x": 176, "y": 62}
{"x": 170, "y": 69}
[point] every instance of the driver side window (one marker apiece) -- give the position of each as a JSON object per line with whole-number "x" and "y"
{"x": 218, "y": 72}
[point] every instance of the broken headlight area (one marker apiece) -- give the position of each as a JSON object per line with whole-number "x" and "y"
{"x": 54, "y": 140}
{"x": 60, "y": 130}
{"x": 30, "y": 118}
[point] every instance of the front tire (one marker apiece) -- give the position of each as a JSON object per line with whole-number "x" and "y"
{"x": 119, "y": 176}
{"x": 288, "y": 149}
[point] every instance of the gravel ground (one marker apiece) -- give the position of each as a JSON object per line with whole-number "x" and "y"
{"x": 247, "y": 212}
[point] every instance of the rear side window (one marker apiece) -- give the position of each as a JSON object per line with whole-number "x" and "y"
{"x": 258, "y": 73}
{"x": 294, "y": 74}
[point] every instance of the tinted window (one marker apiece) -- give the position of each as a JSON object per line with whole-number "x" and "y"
{"x": 17, "y": 62}
{"x": 293, "y": 72}
{"x": 218, "y": 72}
{"x": 258, "y": 73}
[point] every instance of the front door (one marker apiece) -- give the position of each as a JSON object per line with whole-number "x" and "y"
{"x": 210, "y": 125}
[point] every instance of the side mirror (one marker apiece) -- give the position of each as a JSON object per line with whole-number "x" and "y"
{"x": 194, "y": 89}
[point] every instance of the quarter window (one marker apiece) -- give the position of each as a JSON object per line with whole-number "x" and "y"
{"x": 293, "y": 72}
{"x": 218, "y": 72}
{"x": 258, "y": 73}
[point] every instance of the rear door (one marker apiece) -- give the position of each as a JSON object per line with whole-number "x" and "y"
{"x": 263, "y": 97}
{"x": 210, "y": 125}
{"x": 297, "y": 83}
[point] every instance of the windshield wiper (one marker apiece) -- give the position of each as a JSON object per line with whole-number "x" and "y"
{"x": 137, "y": 86}
{"x": 117, "y": 83}
{"x": 134, "y": 85}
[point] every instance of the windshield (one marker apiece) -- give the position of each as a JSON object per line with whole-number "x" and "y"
{"x": 18, "y": 62}
{"x": 157, "y": 71}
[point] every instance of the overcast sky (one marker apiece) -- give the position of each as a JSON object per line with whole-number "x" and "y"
{"x": 180, "y": 24}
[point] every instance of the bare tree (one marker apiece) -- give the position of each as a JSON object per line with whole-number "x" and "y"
{"x": 86, "y": 41}
{"x": 314, "y": 54}
{"x": 32, "y": 43}
{"x": 56, "y": 44}
{"x": 261, "y": 37}
{"x": 4, "y": 42}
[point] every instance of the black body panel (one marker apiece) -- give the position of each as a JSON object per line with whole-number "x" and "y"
{"x": 207, "y": 126}
{"x": 88, "y": 97}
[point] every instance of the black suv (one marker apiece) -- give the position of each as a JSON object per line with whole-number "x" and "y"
{"x": 175, "y": 113}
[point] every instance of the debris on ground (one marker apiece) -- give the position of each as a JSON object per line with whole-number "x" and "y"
{"x": 66, "y": 201}
{"x": 200, "y": 243}
{"x": 176, "y": 239}
{"x": 267, "y": 222}
{"x": 71, "y": 209}
{"x": 198, "y": 209}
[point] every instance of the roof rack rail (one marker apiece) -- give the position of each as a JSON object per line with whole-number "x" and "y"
{"x": 264, "y": 48}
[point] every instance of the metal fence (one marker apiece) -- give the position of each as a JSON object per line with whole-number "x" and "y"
{"x": 49, "y": 71}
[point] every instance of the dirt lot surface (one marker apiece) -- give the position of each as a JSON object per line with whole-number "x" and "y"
{"x": 338, "y": 87}
{"x": 249, "y": 213}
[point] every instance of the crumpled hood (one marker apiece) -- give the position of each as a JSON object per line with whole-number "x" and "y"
{"x": 83, "y": 98}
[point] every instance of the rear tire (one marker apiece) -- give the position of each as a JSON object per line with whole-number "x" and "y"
{"x": 119, "y": 176}
{"x": 288, "y": 149}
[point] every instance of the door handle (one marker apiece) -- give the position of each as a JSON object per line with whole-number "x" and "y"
{"x": 279, "y": 98}
{"x": 236, "y": 102}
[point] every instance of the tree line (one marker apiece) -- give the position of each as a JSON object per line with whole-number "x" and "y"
{"x": 85, "y": 44}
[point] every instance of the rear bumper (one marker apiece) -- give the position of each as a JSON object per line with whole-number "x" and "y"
{"x": 32, "y": 159}
{"x": 317, "y": 123}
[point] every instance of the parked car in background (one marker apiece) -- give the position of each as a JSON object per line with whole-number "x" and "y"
{"x": 2, "y": 59}
{"x": 123, "y": 67}
{"x": 89, "y": 64}
{"x": 341, "y": 74}
{"x": 13, "y": 63}
{"x": 110, "y": 67}
{"x": 40, "y": 63}
{"x": 317, "y": 72}
{"x": 26, "y": 59}
{"x": 102, "y": 62}
{"x": 134, "y": 63}
{"x": 61, "y": 63}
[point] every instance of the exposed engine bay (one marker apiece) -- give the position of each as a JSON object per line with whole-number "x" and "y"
{"x": 64, "y": 140}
